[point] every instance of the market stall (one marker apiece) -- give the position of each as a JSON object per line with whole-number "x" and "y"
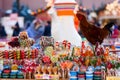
{"x": 57, "y": 60}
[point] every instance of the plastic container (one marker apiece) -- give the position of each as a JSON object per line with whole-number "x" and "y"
{"x": 13, "y": 77}
{"x": 81, "y": 78}
{"x": 73, "y": 78}
{"x": 6, "y": 71}
{"x": 73, "y": 73}
{"x": 89, "y": 76}
{"x": 20, "y": 77}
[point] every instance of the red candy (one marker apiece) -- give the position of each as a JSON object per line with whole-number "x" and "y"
{"x": 6, "y": 54}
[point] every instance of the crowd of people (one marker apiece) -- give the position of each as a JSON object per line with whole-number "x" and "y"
{"x": 38, "y": 28}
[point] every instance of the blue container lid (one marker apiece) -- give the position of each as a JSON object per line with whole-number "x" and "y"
{"x": 73, "y": 78}
{"x": 89, "y": 72}
{"x": 13, "y": 73}
{"x": 73, "y": 73}
{"x": 89, "y": 76}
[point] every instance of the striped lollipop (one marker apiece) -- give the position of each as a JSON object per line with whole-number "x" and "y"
{"x": 10, "y": 54}
{"x": 1, "y": 54}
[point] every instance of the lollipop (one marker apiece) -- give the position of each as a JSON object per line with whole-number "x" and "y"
{"x": 64, "y": 43}
{"x": 18, "y": 54}
{"x": 36, "y": 52}
{"x": 33, "y": 54}
{"x": 10, "y": 54}
{"x": 28, "y": 53}
{"x": 22, "y": 54}
{"x": 1, "y": 54}
{"x": 6, "y": 54}
{"x": 14, "y": 55}
{"x": 68, "y": 45}
{"x": 48, "y": 51}
{"x": 54, "y": 59}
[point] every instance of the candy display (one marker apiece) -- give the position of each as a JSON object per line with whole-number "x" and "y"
{"x": 58, "y": 60}
{"x": 21, "y": 41}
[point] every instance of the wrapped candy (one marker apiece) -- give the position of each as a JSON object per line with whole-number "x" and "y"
{"x": 28, "y": 53}
{"x": 56, "y": 46}
{"x": 14, "y": 55}
{"x": 48, "y": 51}
{"x": 68, "y": 46}
{"x": 33, "y": 54}
{"x": 18, "y": 54}
{"x": 23, "y": 35}
{"x": 1, "y": 54}
{"x": 36, "y": 52}
{"x": 6, "y": 54}
{"x": 46, "y": 41}
{"x": 14, "y": 67}
{"x": 54, "y": 59}
{"x": 10, "y": 54}
{"x": 46, "y": 60}
{"x": 22, "y": 54}
{"x": 83, "y": 49}
{"x": 64, "y": 43}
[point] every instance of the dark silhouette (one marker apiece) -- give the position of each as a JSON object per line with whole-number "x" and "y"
{"x": 16, "y": 30}
{"x": 47, "y": 31}
{"x": 3, "y": 33}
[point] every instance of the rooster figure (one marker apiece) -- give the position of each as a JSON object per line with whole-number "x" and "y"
{"x": 93, "y": 33}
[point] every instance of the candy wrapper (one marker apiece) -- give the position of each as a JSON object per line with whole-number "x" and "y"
{"x": 23, "y": 35}
{"x": 22, "y": 54}
{"x": 6, "y": 54}
{"x": 1, "y": 54}
{"x": 18, "y": 54}
{"x": 24, "y": 40}
{"x": 46, "y": 41}
{"x": 11, "y": 54}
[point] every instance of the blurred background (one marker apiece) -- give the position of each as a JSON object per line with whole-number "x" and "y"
{"x": 18, "y": 13}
